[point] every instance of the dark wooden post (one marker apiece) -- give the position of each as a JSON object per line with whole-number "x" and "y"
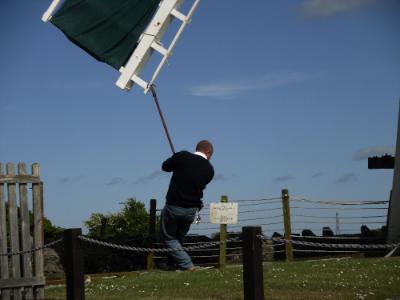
{"x": 222, "y": 238}
{"x": 74, "y": 264}
{"x": 287, "y": 224}
{"x": 253, "y": 282}
{"x": 103, "y": 228}
{"x": 152, "y": 232}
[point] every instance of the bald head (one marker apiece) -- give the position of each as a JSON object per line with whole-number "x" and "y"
{"x": 205, "y": 147}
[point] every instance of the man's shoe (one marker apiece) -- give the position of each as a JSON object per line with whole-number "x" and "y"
{"x": 191, "y": 269}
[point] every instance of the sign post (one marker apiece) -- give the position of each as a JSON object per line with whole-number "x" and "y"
{"x": 223, "y": 213}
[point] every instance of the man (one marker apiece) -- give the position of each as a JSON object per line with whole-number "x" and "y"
{"x": 190, "y": 175}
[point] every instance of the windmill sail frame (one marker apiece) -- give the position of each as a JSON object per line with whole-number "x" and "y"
{"x": 148, "y": 42}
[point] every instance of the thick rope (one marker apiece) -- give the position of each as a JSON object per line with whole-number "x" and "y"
{"x": 153, "y": 92}
{"x": 33, "y": 249}
{"x": 156, "y": 250}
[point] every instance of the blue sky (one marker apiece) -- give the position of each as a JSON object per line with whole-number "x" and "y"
{"x": 293, "y": 94}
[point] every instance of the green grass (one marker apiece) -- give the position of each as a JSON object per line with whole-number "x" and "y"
{"x": 356, "y": 278}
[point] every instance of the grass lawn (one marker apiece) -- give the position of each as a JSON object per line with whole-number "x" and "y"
{"x": 355, "y": 278}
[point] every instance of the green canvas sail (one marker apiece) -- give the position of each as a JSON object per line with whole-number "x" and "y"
{"x": 107, "y": 29}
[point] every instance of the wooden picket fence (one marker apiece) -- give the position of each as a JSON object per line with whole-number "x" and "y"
{"x": 22, "y": 275}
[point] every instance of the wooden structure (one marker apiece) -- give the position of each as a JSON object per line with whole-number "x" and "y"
{"x": 149, "y": 42}
{"x": 21, "y": 275}
{"x": 253, "y": 276}
{"x": 75, "y": 276}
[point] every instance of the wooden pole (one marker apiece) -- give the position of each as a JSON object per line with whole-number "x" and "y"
{"x": 25, "y": 229}
{"x": 152, "y": 232}
{"x": 4, "y": 268}
{"x": 253, "y": 282}
{"x": 222, "y": 239}
{"x": 288, "y": 229}
{"x": 74, "y": 265}
{"x": 394, "y": 210}
{"x": 38, "y": 231}
{"x": 14, "y": 230}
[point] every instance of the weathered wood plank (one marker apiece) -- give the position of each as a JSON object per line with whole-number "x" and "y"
{"x": 14, "y": 232}
{"x": 19, "y": 179}
{"x": 22, "y": 282}
{"x": 25, "y": 229}
{"x": 38, "y": 228}
{"x": 4, "y": 273}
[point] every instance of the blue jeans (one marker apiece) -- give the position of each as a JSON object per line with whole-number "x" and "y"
{"x": 175, "y": 223}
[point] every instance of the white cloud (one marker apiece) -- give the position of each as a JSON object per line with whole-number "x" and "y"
{"x": 150, "y": 177}
{"x": 71, "y": 179}
{"x": 347, "y": 178}
{"x": 328, "y": 8}
{"x": 283, "y": 178}
{"x": 372, "y": 151}
{"x": 230, "y": 89}
{"x": 115, "y": 180}
{"x": 220, "y": 177}
{"x": 318, "y": 174}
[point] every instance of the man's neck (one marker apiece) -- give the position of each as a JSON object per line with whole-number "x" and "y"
{"x": 201, "y": 154}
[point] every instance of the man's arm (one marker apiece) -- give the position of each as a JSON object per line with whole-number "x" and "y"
{"x": 169, "y": 164}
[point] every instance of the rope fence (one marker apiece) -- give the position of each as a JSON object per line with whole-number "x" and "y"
{"x": 254, "y": 246}
{"x": 147, "y": 250}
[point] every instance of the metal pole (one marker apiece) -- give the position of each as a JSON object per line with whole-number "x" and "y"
{"x": 74, "y": 265}
{"x": 253, "y": 282}
{"x": 153, "y": 92}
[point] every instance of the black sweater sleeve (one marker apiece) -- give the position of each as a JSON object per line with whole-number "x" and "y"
{"x": 169, "y": 165}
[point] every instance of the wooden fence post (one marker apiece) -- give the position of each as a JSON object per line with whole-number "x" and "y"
{"x": 222, "y": 239}
{"x": 152, "y": 232}
{"x": 74, "y": 264}
{"x": 25, "y": 230}
{"x": 5, "y": 294}
{"x": 38, "y": 241}
{"x": 287, "y": 224}
{"x": 14, "y": 232}
{"x": 253, "y": 277}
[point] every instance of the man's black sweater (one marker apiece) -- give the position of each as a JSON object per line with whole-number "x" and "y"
{"x": 191, "y": 174}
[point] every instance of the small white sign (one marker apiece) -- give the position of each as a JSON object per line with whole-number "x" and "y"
{"x": 224, "y": 213}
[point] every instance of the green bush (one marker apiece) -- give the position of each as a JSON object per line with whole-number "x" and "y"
{"x": 132, "y": 220}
